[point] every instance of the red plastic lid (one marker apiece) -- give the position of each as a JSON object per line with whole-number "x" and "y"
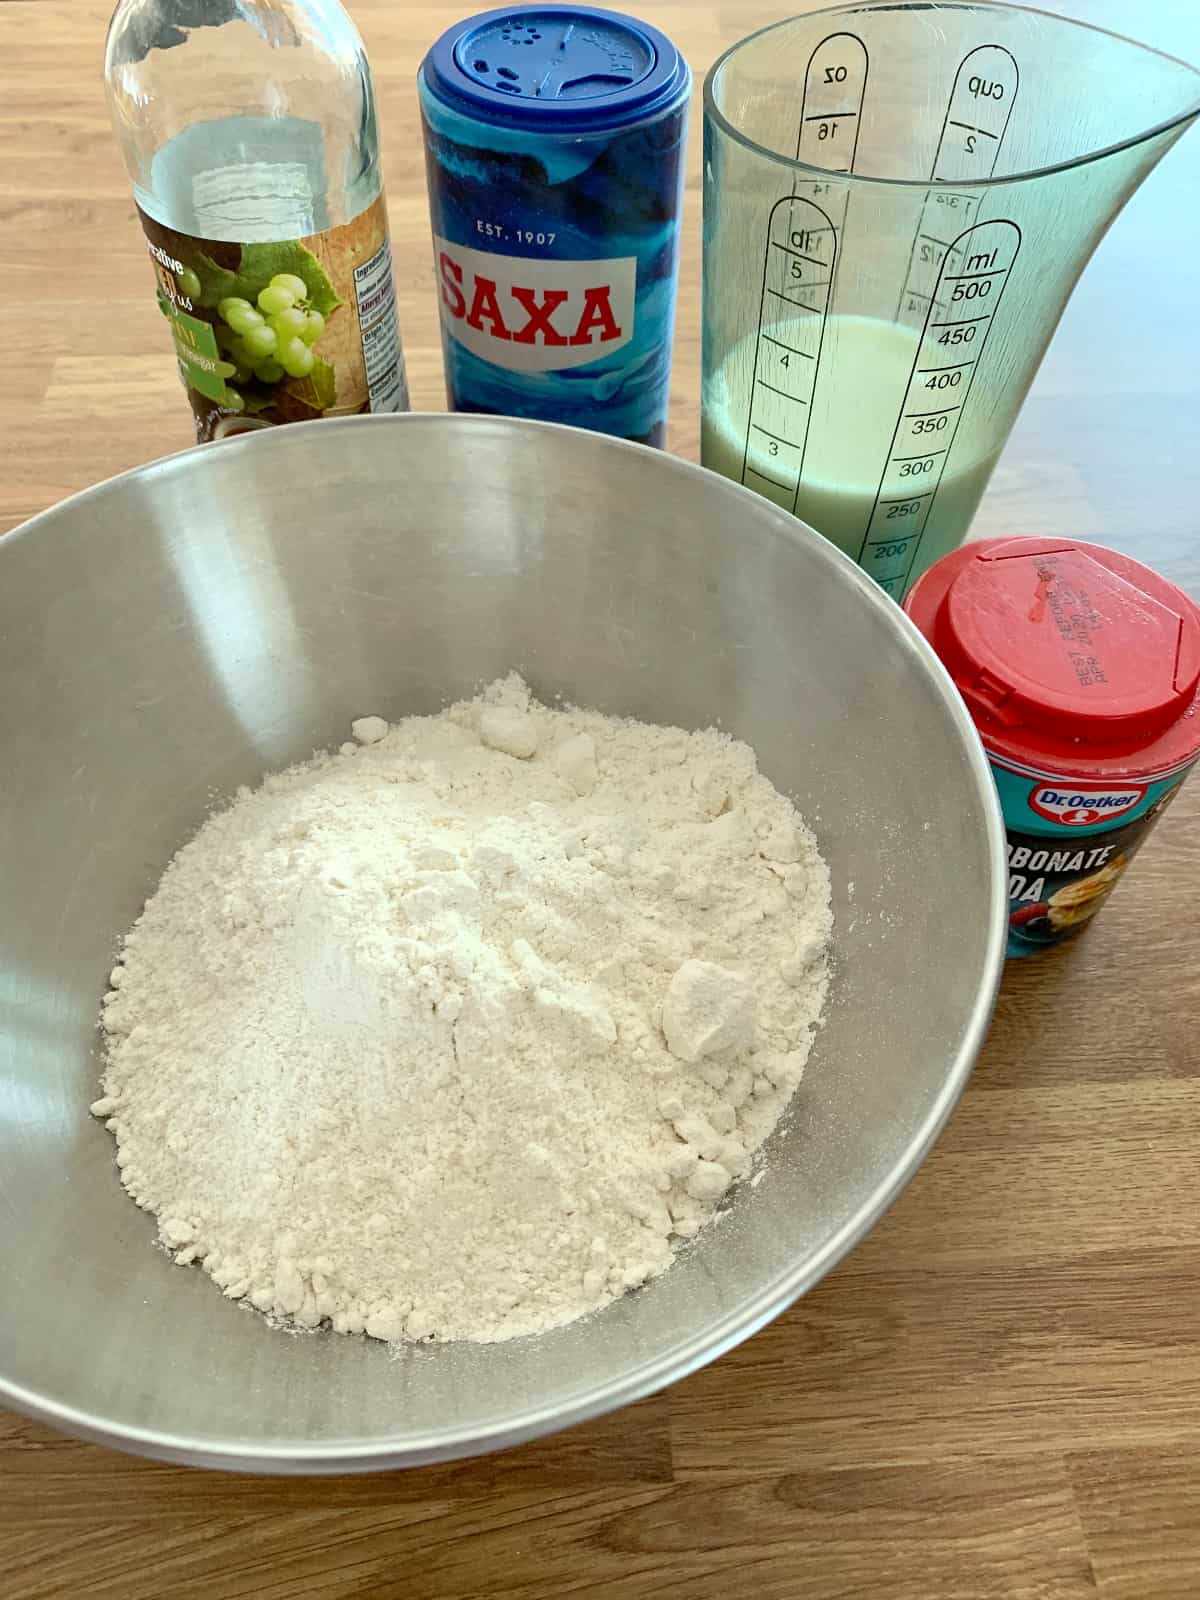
{"x": 1067, "y": 652}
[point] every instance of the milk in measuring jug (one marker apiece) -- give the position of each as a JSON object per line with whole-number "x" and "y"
{"x": 881, "y": 435}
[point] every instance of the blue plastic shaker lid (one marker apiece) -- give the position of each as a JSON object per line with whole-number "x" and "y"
{"x": 560, "y": 69}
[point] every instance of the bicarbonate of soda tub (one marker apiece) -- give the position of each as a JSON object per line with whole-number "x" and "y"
{"x": 1081, "y": 669}
{"x": 554, "y": 142}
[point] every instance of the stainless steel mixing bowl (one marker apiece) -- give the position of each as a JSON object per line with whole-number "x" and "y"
{"x": 186, "y": 628}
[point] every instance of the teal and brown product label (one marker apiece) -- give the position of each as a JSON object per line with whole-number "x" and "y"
{"x": 1069, "y": 843}
{"x": 282, "y": 332}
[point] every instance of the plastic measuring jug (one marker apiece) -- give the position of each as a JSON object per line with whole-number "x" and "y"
{"x": 898, "y": 200}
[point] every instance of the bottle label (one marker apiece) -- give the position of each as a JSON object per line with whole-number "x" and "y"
{"x": 1069, "y": 843}
{"x": 282, "y": 332}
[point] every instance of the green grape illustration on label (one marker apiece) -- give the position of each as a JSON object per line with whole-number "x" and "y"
{"x": 263, "y": 335}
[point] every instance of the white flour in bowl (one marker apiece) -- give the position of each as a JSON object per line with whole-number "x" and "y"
{"x": 458, "y": 1032}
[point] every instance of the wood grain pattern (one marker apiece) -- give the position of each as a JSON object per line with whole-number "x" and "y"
{"x": 998, "y": 1394}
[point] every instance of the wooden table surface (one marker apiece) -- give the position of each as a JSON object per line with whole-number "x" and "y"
{"x": 998, "y": 1394}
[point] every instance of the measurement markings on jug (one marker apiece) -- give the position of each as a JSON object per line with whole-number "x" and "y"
{"x": 902, "y": 508}
{"x": 798, "y": 266}
{"x": 973, "y": 130}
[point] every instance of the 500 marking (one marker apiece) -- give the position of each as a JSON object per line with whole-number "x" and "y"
{"x": 986, "y": 251}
